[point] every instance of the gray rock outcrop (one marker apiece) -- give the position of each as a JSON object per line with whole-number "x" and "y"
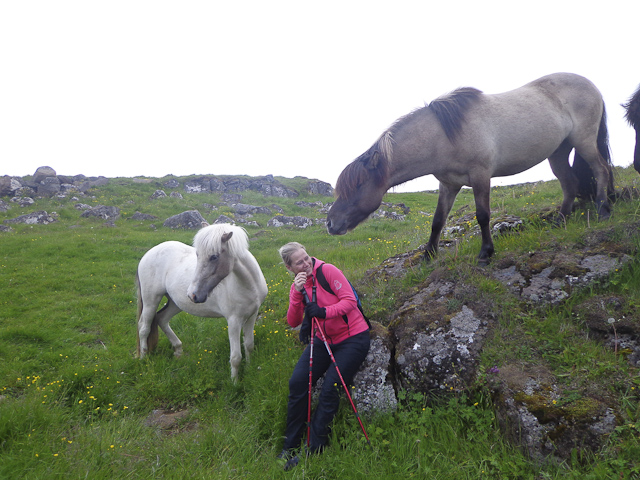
{"x": 189, "y": 220}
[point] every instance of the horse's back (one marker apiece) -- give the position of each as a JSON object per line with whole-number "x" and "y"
{"x": 166, "y": 254}
{"x": 521, "y": 128}
{"x": 162, "y": 264}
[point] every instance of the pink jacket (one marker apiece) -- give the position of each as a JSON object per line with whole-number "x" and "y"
{"x": 342, "y": 303}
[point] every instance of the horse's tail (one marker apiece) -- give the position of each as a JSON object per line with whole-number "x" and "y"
{"x": 632, "y": 115}
{"x": 152, "y": 339}
{"x": 587, "y": 187}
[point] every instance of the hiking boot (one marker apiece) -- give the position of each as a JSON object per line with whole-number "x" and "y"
{"x": 292, "y": 462}
{"x": 288, "y": 458}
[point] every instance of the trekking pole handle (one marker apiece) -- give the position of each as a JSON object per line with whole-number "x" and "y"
{"x": 304, "y": 294}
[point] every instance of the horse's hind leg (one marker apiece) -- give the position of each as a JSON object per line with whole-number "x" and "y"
{"x": 559, "y": 162}
{"x": 147, "y": 323}
{"x": 446, "y": 196}
{"x": 164, "y": 316}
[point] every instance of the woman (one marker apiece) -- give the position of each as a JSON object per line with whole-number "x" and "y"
{"x": 347, "y": 333}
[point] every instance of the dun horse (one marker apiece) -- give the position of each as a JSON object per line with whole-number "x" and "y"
{"x": 467, "y": 137}
{"x": 217, "y": 277}
{"x": 633, "y": 117}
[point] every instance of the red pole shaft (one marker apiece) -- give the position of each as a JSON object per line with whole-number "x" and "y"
{"x": 344, "y": 385}
{"x": 310, "y": 386}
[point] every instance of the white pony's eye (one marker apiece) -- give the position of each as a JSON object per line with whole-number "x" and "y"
{"x": 213, "y": 257}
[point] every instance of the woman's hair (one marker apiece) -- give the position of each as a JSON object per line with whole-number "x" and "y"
{"x": 287, "y": 250}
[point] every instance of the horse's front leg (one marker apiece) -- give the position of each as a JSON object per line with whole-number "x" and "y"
{"x": 446, "y": 196}
{"x": 481, "y": 194}
{"x": 235, "y": 355}
{"x": 247, "y": 334}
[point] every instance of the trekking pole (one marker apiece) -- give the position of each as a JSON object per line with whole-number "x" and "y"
{"x": 314, "y": 320}
{"x": 306, "y": 299}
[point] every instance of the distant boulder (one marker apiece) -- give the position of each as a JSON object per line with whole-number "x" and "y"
{"x": 189, "y": 220}
{"x": 23, "y": 201}
{"x": 41, "y": 217}
{"x": 158, "y": 194}
{"x": 198, "y": 185}
{"x": 244, "y": 209}
{"x": 48, "y": 186}
{"x": 283, "y": 220}
{"x": 224, "y": 219}
{"x": 320, "y": 188}
{"x": 142, "y": 216}
{"x": 8, "y": 186}
{"x": 103, "y": 212}
{"x": 42, "y": 173}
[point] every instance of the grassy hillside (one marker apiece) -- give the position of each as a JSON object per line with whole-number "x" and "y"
{"x": 76, "y": 402}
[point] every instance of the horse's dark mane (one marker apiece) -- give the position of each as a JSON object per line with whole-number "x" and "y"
{"x": 450, "y": 109}
{"x": 375, "y": 162}
{"x": 372, "y": 164}
{"x": 633, "y": 109}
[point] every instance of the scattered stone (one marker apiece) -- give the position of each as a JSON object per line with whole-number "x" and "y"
{"x": 41, "y": 217}
{"x": 142, "y": 216}
{"x": 283, "y": 220}
{"x": 173, "y": 183}
{"x": 102, "y": 211}
{"x": 277, "y": 208}
{"x": 189, "y": 220}
{"x": 320, "y": 188}
{"x": 243, "y": 209}
{"x": 8, "y": 186}
{"x": 42, "y": 173}
{"x": 198, "y": 185}
{"x": 165, "y": 420}
{"x": 224, "y": 219}
{"x": 23, "y": 201}
{"x": 309, "y": 204}
{"x": 158, "y": 194}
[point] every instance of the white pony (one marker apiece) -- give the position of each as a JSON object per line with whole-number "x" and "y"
{"x": 217, "y": 277}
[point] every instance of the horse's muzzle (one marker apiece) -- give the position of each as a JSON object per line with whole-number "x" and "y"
{"x": 197, "y": 298}
{"x": 334, "y": 229}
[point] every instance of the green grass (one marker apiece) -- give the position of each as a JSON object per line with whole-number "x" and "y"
{"x": 75, "y": 398}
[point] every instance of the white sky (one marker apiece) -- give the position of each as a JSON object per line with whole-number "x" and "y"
{"x": 141, "y": 87}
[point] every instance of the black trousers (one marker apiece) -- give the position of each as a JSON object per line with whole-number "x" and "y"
{"x": 349, "y": 355}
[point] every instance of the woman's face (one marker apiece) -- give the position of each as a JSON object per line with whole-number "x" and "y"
{"x": 300, "y": 262}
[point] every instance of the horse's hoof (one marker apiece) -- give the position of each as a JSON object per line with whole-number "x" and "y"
{"x": 484, "y": 262}
{"x": 428, "y": 256}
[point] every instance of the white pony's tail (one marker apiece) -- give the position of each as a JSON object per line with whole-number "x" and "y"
{"x": 152, "y": 339}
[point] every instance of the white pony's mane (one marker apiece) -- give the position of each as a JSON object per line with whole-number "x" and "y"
{"x": 209, "y": 239}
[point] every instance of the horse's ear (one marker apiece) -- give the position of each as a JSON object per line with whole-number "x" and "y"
{"x": 204, "y": 224}
{"x": 226, "y": 237}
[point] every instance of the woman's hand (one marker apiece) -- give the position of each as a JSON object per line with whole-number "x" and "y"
{"x": 300, "y": 280}
{"x": 313, "y": 310}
